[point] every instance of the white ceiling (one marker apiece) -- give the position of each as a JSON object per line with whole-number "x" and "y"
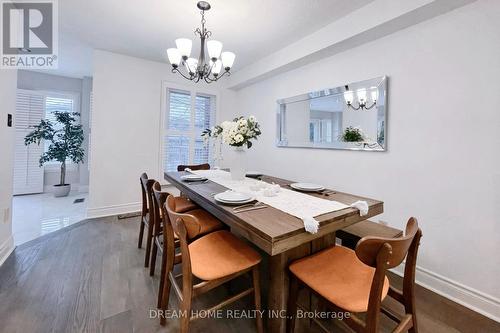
{"x": 145, "y": 29}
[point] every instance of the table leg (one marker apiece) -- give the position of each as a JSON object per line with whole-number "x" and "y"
{"x": 279, "y": 281}
{"x": 278, "y": 287}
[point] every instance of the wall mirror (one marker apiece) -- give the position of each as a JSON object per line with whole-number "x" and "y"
{"x": 353, "y": 116}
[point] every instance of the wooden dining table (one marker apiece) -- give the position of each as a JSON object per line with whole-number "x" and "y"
{"x": 279, "y": 235}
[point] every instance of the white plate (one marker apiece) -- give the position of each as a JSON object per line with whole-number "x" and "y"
{"x": 254, "y": 174}
{"x": 233, "y": 197}
{"x": 307, "y": 187}
{"x": 192, "y": 178}
{"x": 235, "y": 203}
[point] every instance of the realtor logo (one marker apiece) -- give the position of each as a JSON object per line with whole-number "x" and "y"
{"x": 29, "y": 34}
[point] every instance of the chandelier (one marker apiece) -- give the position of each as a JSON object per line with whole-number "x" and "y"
{"x": 361, "y": 96}
{"x": 199, "y": 69}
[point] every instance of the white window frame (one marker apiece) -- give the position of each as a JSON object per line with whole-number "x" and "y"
{"x": 53, "y": 166}
{"x": 193, "y": 90}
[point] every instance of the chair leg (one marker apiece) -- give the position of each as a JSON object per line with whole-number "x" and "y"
{"x": 148, "y": 246}
{"x": 292, "y": 304}
{"x": 141, "y": 234}
{"x": 162, "y": 275}
{"x": 185, "y": 314}
{"x": 165, "y": 294}
{"x": 410, "y": 309}
{"x": 154, "y": 254}
{"x": 256, "y": 290}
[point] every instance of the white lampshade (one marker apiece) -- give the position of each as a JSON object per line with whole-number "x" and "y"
{"x": 348, "y": 96}
{"x": 184, "y": 46}
{"x": 374, "y": 94}
{"x": 216, "y": 67}
{"x": 214, "y": 48}
{"x": 227, "y": 59}
{"x": 191, "y": 65}
{"x": 174, "y": 56}
{"x": 361, "y": 95}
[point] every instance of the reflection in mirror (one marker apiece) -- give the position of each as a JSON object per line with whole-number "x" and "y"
{"x": 348, "y": 117}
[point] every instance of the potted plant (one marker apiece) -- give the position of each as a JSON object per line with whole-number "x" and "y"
{"x": 238, "y": 134}
{"x": 352, "y": 134}
{"x": 66, "y": 138}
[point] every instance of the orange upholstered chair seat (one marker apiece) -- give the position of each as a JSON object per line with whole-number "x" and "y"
{"x": 183, "y": 204}
{"x": 339, "y": 276}
{"x": 206, "y": 223}
{"x": 220, "y": 254}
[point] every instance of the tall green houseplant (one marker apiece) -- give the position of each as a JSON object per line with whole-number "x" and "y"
{"x": 65, "y": 137}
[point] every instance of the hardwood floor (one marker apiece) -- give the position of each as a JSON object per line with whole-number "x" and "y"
{"x": 89, "y": 277}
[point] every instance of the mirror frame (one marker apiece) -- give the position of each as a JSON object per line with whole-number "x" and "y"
{"x": 382, "y": 81}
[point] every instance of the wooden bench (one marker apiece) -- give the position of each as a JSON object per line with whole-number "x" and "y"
{"x": 353, "y": 233}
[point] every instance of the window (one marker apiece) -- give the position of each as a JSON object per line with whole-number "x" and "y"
{"x": 188, "y": 113}
{"x": 55, "y": 103}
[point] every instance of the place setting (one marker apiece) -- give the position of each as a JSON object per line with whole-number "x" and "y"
{"x": 194, "y": 179}
{"x": 310, "y": 188}
{"x": 242, "y": 202}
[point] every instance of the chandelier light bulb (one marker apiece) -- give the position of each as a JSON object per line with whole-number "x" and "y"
{"x": 214, "y": 49}
{"x": 216, "y": 67}
{"x": 191, "y": 65}
{"x": 227, "y": 59}
{"x": 174, "y": 56}
{"x": 184, "y": 46}
{"x": 349, "y": 96}
{"x": 361, "y": 95}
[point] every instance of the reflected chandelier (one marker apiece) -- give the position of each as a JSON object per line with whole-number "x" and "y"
{"x": 199, "y": 69}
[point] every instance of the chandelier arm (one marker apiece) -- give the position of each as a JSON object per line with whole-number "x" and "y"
{"x": 371, "y": 106}
{"x": 174, "y": 70}
{"x": 216, "y": 78}
{"x": 353, "y": 107}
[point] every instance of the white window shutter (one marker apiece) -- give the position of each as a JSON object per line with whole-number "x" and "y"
{"x": 187, "y": 115}
{"x": 28, "y": 176}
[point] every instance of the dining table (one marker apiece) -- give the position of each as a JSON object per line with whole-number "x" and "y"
{"x": 280, "y": 236}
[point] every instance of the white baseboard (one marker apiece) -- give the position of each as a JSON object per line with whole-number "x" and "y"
{"x": 6, "y": 249}
{"x": 114, "y": 210}
{"x": 471, "y": 298}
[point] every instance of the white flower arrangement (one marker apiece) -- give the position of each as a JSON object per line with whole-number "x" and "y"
{"x": 236, "y": 133}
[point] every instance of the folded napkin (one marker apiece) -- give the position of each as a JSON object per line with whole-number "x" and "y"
{"x": 310, "y": 224}
{"x": 362, "y": 206}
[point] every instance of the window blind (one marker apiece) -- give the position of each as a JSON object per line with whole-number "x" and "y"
{"x": 187, "y": 115}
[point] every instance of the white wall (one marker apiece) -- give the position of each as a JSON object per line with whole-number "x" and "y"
{"x": 77, "y": 175}
{"x": 8, "y": 82}
{"x": 442, "y": 163}
{"x": 125, "y": 129}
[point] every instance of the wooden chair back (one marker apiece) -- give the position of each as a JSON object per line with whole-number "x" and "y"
{"x": 147, "y": 194}
{"x": 204, "y": 166}
{"x": 368, "y": 248}
{"x": 386, "y": 253}
{"x": 192, "y": 225}
{"x": 160, "y": 197}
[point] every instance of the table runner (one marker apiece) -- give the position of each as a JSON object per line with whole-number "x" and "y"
{"x": 297, "y": 204}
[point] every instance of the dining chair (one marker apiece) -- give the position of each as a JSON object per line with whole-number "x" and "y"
{"x": 356, "y": 281}
{"x": 146, "y": 215}
{"x": 200, "y": 223}
{"x": 213, "y": 260}
{"x": 204, "y": 166}
{"x": 181, "y": 205}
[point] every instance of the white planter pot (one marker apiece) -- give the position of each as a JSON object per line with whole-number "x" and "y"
{"x": 62, "y": 190}
{"x": 238, "y": 166}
